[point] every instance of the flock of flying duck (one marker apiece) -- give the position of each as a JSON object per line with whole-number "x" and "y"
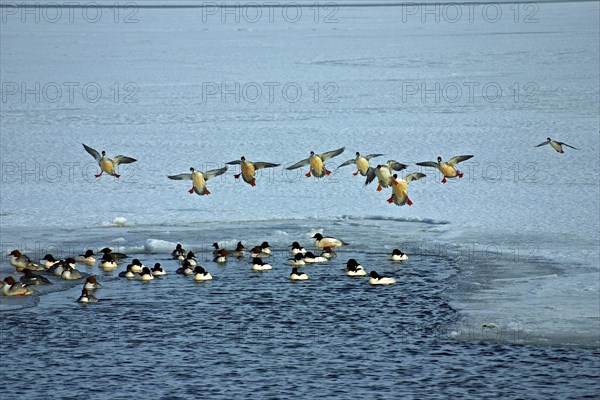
{"x": 385, "y": 173}
{"x": 188, "y": 266}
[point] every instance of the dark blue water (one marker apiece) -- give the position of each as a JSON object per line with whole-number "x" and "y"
{"x": 259, "y": 335}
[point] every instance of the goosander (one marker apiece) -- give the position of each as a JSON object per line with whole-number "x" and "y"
{"x": 321, "y": 241}
{"x": 87, "y": 297}
{"x": 296, "y": 248}
{"x": 185, "y": 269}
{"x": 91, "y": 283}
{"x": 259, "y": 265}
{"x": 310, "y": 258}
{"x": 448, "y": 169}
{"x": 106, "y": 164}
{"x": 353, "y": 268}
{"x": 317, "y": 163}
{"x": 383, "y": 173}
{"x": 400, "y": 188}
{"x": 199, "y": 179}
{"x": 397, "y": 255}
{"x": 249, "y": 168}
{"x": 145, "y": 275}
{"x": 376, "y": 279}
{"x": 128, "y": 273}
{"x": 298, "y": 276}
{"x": 201, "y": 275}
{"x": 87, "y": 258}
{"x": 33, "y": 279}
{"x": 220, "y": 256}
{"x": 297, "y": 261}
{"x": 12, "y": 288}
{"x": 157, "y": 270}
{"x": 558, "y": 146}
{"x": 361, "y": 162}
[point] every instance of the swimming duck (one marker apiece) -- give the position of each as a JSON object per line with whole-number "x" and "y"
{"x": 397, "y": 255}
{"x": 33, "y": 279}
{"x": 297, "y": 260}
{"x": 353, "y": 268}
{"x": 107, "y": 262}
{"x": 21, "y": 261}
{"x": 185, "y": 269}
{"x": 178, "y": 253}
{"x": 58, "y": 268}
{"x": 136, "y": 266}
{"x": 257, "y": 251}
{"x": 310, "y": 258}
{"x": 265, "y": 248}
{"x": 249, "y": 168}
{"x": 298, "y": 276}
{"x": 377, "y": 279}
{"x": 128, "y": 273}
{"x": 558, "y": 146}
{"x": 383, "y": 172}
{"x": 191, "y": 259}
{"x": 328, "y": 252}
{"x": 448, "y": 169}
{"x": 259, "y": 265}
{"x": 201, "y": 275}
{"x": 106, "y": 164}
{"x": 321, "y": 241}
{"x": 217, "y": 248}
{"x": 91, "y": 283}
{"x": 87, "y": 258}
{"x": 13, "y": 288}
{"x": 400, "y": 188}
{"x": 70, "y": 273}
{"x": 145, "y": 275}
{"x": 86, "y": 297}
{"x": 317, "y": 163}
{"x": 296, "y": 248}
{"x": 117, "y": 257}
{"x": 239, "y": 250}
{"x": 157, "y": 270}
{"x": 199, "y": 179}
{"x": 49, "y": 261}
{"x": 361, "y": 162}
{"x": 220, "y": 256}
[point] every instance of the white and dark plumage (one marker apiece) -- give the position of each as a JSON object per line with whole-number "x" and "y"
{"x": 201, "y": 275}
{"x": 328, "y": 252}
{"x": 239, "y": 250}
{"x": 361, "y": 162}
{"x": 145, "y": 275}
{"x": 297, "y": 260}
{"x": 398, "y": 255}
{"x": 49, "y": 261}
{"x": 249, "y": 168}
{"x": 311, "y": 258}
{"x": 70, "y": 273}
{"x": 260, "y": 265}
{"x": 117, "y": 257}
{"x": 107, "y": 262}
{"x": 13, "y": 288}
{"x": 185, "y": 269}
{"x": 86, "y": 297}
{"x": 191, "y": 258}
{"x": 128, "y": 273}
{"x": 220, "y": 256}
{"x": 298, "y": 276}
{"x": 87, "y": 258}
{"x": 400, "y": 188}
{"x": 326, "y": 241}
{"x": 106, "y": 164}
{"x": 157, "y": 270}
{"x": 317, "y": 163}
{"x": 179, "y": 252}
{"x": 448, "y": 169}
{"x": 21, "y": 261}
{"x": 377, "y": 279}
{"x": 353, "y": 268}
{"x": 91, "y": 283}
{"x": 258, "y": 251}
{"x": 558, "y": 146}
{"x": 136, "y": 266}
{"x": 199, "y": 179}
{"x": 32, "y": 279}
{"x": 296, "y": 248}
{"x": 383, "y": 173}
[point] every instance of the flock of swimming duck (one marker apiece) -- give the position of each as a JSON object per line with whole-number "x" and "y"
{"x": 188, "y": 266}
{"x": 65, "y": 269}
